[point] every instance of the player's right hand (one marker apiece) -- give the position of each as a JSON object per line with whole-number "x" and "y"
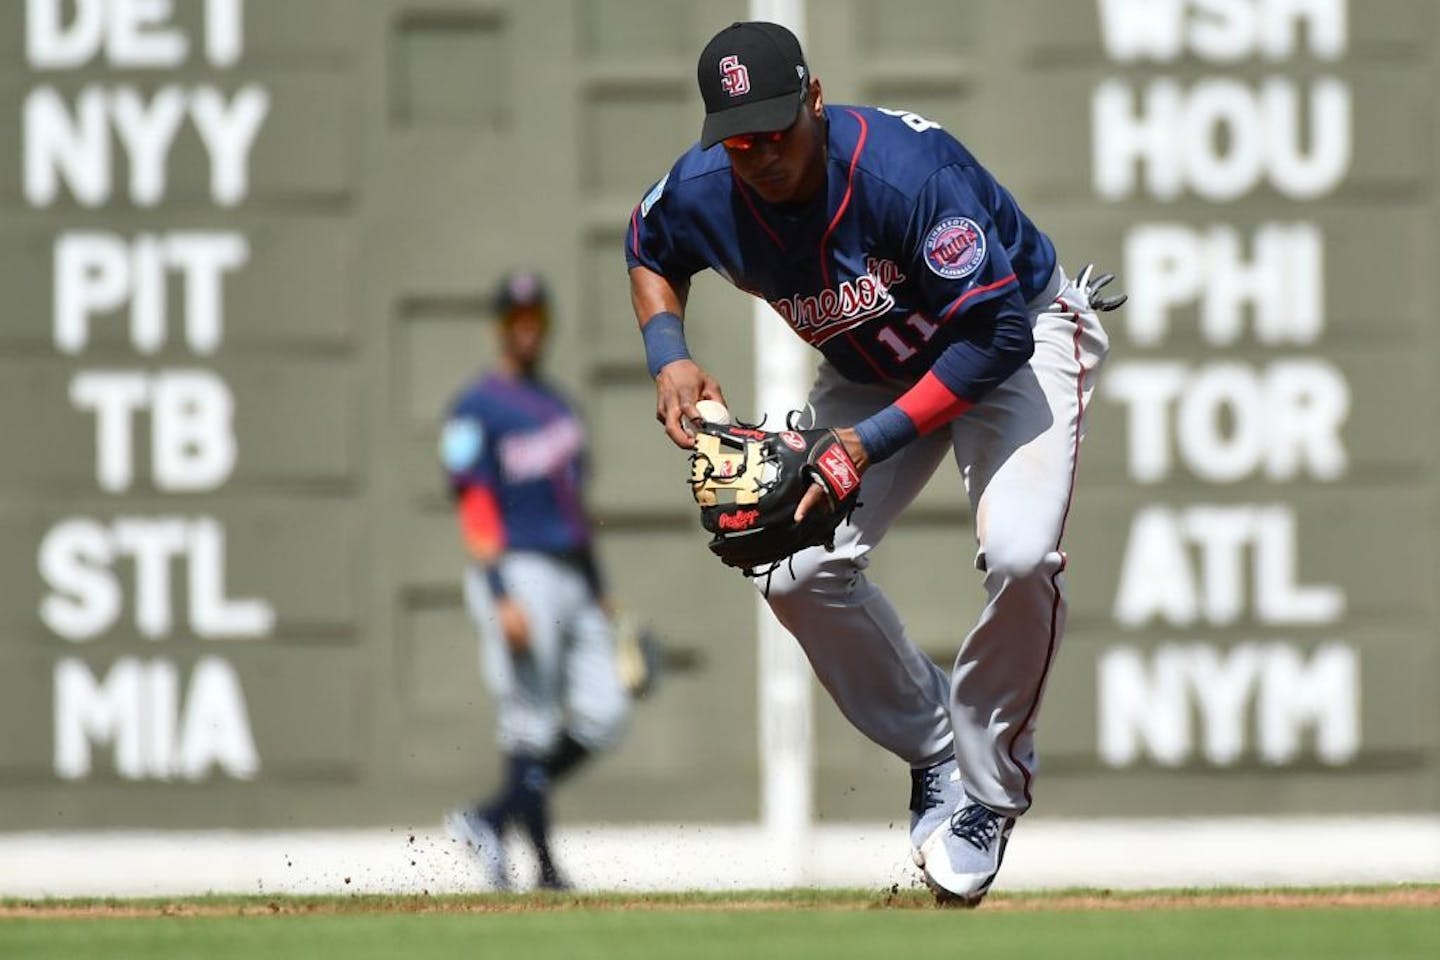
{"x": 513, "y": 625}
{"x": 677, "y": 387}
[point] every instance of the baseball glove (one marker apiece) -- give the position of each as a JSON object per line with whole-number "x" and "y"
{"x": 749, "y": 481}
{"x": 637, "y": 655}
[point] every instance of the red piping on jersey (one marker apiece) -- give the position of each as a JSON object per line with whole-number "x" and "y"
{"x": 1055, "y": 577}
{"x": 745, "y": 195}
{"x": 974, "y": 291}
{"x": 635, "y": 231}
{"x": 845, "y": 201}
{"x": 930, "y": 403}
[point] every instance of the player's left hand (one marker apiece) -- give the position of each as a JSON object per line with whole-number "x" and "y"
{"x": 815, "y": 497}
{"x": 749, "y": 483}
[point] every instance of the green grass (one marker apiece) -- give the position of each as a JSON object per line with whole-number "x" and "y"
{"x": 800, "y": 925}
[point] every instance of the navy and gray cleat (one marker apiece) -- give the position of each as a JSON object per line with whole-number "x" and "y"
{"x": 961, "y": 862}
{"x": 555, "y": 881}
{"x": 478, "y": 833}
{"x": 935, "y": 792}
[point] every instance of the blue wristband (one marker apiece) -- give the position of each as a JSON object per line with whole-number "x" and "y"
{"x": 886, "y": 432}
{"x": 664, "y": 336}
{"x": 495, "y": 581}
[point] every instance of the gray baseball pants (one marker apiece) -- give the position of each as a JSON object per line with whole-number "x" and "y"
{"x": 1017, "y": 453}
{"x": 568, "y": 679}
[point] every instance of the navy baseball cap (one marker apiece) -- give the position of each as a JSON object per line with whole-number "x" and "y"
{"x": 753, "y": 78}
{"x": 522, "y": 288}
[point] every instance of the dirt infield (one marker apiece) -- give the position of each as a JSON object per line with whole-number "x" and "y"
{"x": 1399, "y": 897}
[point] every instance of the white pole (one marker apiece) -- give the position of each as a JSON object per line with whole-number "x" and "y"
{"x": 782, "y": 377}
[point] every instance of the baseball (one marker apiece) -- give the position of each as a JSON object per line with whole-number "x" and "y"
{"x": 713, "y": 411}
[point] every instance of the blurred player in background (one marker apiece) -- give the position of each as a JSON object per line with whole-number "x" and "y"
{"x": 949, "y": 330}
{"x": 514, "y": 451}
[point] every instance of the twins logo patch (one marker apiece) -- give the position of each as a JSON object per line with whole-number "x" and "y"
{"x": 955, "y": 248}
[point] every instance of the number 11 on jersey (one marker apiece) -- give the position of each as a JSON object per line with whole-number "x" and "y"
{"x": 898, "y": 344}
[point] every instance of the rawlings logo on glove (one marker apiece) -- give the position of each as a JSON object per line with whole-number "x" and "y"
{"x": 748, "y": 483}
{"x": 839, "y": 471}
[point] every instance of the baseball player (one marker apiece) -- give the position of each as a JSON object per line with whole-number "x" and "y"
{"x": 514, "y": 452}
{"x": 947, "y": 327}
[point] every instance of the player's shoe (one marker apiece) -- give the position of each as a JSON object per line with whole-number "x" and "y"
{"x": 935, "y": 793}
{"x": 477, "y": 832}
{"x": 961, "y": 862}
{"x": 554, "y": 881}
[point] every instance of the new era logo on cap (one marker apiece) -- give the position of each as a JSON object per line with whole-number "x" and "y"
{"x": 752, "y": 77}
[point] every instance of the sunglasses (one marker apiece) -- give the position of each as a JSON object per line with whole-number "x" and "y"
{"x": 744, "y": 141}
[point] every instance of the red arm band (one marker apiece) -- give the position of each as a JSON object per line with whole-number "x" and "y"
{"x": 480, "y": 523}
{"x": 930, "y": 404}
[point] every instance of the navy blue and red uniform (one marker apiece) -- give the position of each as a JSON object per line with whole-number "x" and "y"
{"x": 949, "y": 331}
{"x": 912, "y": 247}
{"x": 516, "y": 446}
{"x": 514, "y": 455}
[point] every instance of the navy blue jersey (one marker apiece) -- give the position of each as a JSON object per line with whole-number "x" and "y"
{"x": 521, "y": 440}
{"x": 878, "y": 270}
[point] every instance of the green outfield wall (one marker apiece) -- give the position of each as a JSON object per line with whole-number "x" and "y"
{"x": 245, "y": 253}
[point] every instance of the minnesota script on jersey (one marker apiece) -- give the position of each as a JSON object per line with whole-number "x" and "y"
{"x": 911, "y": 236}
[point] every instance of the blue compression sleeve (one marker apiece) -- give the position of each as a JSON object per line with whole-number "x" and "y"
{"x": 664, "y": 336}
{"x": 886, "y": 432}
